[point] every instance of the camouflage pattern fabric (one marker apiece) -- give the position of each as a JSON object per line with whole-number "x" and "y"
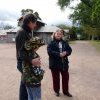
{"x": 32, "y": 75}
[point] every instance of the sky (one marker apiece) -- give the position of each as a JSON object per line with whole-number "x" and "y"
{"x": 49, "y": 11}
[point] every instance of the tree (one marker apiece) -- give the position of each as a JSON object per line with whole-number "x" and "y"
{"x": 86, "y": 15}
{"x": 96, "y": 13}
{"x": 25, "y": 11}
{"x": 82, "y": 15}
{"x": 63, "y": 26}
{"x": 7, "y": 26}
{"x": 73, "y": 33}
{"x": 92, "y": 5}
{"x": 65, "y": 3}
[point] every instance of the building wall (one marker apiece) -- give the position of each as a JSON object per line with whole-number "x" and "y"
{"x": 11, "y": 37}
{"x": 3, "y": 38}
{"x": 45, "y": 36}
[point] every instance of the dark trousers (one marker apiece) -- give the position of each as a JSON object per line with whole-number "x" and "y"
{"x": 56, "y": 80}
{"x": 23, "y": 92}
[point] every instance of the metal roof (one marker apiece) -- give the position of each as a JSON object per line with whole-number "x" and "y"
{"x": 47, "y": 28}
{"x": 13, "y": 30}
{"x": 4, "y": 32}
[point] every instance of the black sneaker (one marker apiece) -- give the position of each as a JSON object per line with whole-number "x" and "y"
{"x": 68, "y": 94}
{"x": 57, "y": 94}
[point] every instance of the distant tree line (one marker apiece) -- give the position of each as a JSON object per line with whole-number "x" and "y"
{"x": 5, "y": 26}
{"x": 86, "y": 16}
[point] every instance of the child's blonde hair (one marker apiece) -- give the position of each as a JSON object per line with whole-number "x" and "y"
{"x": 59, "y": 30}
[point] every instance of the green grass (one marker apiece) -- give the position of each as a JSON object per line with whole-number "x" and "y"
{"x": 96, "y": 44}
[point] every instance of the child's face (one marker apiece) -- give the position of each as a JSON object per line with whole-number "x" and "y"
{"x": 58, "y": 35}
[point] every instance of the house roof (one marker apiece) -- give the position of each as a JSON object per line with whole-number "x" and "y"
{"x": 47, "y": 28}
{"x": 50, "y": 29}
{"x": 4, "y": 32}
{"x": 40, "y": 23}
{"x": 13, "y": 29}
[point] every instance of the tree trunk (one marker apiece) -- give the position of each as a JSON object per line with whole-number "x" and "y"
{"x": 92, "y": 37}
{"x": 89, "y": 37}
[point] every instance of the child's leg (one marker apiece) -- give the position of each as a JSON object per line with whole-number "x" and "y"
{"x": 34, "y": 93}
{"x": 29, "y": 91}
{"x": 37, "y": 93}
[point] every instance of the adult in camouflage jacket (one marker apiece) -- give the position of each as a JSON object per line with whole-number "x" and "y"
{"x": 23, "y": 35}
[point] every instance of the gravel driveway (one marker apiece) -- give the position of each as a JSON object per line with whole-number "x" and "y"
{"x": 84, "y": 73}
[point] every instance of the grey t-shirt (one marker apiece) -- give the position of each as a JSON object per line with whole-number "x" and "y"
{"x": 60, "y": 46}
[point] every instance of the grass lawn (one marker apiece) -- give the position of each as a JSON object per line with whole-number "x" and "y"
{"x": 96, "y": 44}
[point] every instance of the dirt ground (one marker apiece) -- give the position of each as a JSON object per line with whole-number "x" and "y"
{"x": 84, "y": 73}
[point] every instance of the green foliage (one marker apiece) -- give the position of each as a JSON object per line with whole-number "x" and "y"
{"x": 87, "y": 15}
{"x": 65, "y": 3}
{"x": 63, "y": 26}
{"x": 96, "y": 12}
{"x": 82, "y": 14}
{"x": 24, "y": 11}
{"x": 73, "y": 35}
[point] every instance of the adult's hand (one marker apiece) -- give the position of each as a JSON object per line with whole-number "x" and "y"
{"x": 65, "y": 53}
{"x": 36, "y": 62}
{"x": 62, "y": 55}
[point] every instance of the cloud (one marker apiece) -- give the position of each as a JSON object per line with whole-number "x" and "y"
{"x": 47, "y": 9}
{"x": 8, "y": 16}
